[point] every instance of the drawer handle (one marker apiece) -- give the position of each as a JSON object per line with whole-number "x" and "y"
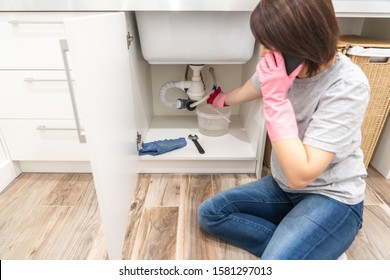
{"x": 44, "y": 127}
{"x": 31, "y": 80}
{"x": 33, "y": 22}
{"x": 80, "y": 131}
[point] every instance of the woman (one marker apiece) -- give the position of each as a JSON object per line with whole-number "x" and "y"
{"x": 312, "y": 205}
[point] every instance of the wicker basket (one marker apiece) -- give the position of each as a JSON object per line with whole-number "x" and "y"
{"x": 378, "y": 74}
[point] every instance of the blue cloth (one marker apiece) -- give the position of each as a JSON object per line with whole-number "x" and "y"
{"x": 162, "y": 146}
{"x": 272, "y": 224}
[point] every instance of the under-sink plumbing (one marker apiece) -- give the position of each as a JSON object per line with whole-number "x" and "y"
{"x": 194, "y": 89}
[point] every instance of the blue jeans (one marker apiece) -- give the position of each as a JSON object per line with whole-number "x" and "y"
{"x": 272, "y": 224}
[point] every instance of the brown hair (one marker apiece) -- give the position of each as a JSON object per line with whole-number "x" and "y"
{"x": 305, "y": 29}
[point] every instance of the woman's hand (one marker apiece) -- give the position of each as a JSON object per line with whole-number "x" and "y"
{"x": 217, "y": 98}
{"x": 273, "y": 78}
{"x": 275, "y": 83}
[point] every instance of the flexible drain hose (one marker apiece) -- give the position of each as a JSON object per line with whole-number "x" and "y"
{"x": 163, "y": 91}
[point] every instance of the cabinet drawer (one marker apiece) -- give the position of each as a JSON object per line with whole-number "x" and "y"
{"x": 25, "y": 142}
{"x": 34, "y": 94}
{"x": 31, "y": 40}
{"x": 29, "y": 53}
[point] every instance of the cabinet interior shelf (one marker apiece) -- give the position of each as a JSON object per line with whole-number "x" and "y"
{"x": 234, "y": 145}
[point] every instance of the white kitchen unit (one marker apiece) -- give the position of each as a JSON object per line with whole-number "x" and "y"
{"x": 37, "y": 118}
{"x": 118, "y": 93}
{"x": 121, "y": 101}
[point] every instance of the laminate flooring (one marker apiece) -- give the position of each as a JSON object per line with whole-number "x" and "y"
{"x": 55, "y": 216}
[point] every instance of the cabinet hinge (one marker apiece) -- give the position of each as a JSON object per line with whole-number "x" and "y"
{"x": 138, "y": 141}
{"x": 129, "y": 39}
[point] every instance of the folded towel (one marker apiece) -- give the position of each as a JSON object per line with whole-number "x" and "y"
{"x": 162, "y": 146}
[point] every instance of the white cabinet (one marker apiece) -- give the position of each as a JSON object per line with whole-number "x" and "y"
{"x": 34, "y": 94}
{"x": 119, "y": 93}
{"x": 8, "y": 169}
{"x": 238, "y": 151}
{"x": 30, "y": 40}
{"x": 4, "y": 161}
{"x": 43, "y": 140}
{"x": 3, "y": 157}
{"x": 36, "y": 113}
{"x": 105, "y": 76}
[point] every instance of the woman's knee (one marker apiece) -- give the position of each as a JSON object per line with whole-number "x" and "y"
{"x": 205, "y": 213}
{"x": 209, "y": 216}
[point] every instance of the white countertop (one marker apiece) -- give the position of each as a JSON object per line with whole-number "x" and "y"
{"x": 374, "y": 8}
{"x": 131, "y": 5}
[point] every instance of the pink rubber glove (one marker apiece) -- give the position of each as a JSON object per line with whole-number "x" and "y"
{"x": 274, "y": 82}
{"x": 217, "y": 98}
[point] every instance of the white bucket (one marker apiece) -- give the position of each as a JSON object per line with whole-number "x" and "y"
{"x": 213, "y": 121}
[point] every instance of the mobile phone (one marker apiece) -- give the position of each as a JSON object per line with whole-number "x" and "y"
{"x": 291, "y": 63}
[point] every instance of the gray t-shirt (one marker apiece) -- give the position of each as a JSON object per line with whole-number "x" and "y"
{"x": 329, "y": 109}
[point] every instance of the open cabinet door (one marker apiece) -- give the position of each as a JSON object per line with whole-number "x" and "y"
{"x": 100, "y": 57}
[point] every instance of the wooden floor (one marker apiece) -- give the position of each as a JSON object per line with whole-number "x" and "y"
{"x": 55, "y": 216}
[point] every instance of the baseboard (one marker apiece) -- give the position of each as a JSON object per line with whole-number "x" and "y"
{"x": 55, "y": 166}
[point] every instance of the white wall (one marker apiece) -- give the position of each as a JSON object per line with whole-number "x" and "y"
{"x": 381, "y": 158}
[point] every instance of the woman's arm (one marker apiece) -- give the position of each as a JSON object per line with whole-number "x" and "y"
{"x": 301, "y": 164}
{"x": 246, "y": 92}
